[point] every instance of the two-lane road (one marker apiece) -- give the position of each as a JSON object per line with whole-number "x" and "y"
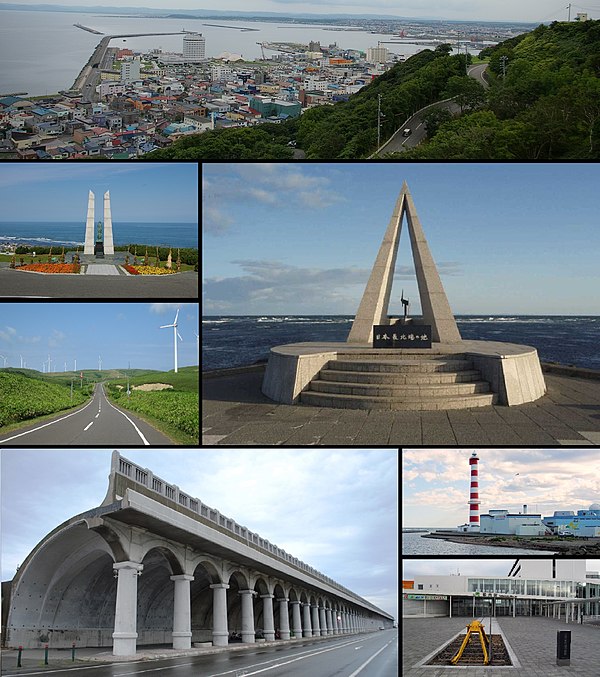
{"x": 368, "y": 655}
{"x": 97, "y": 423}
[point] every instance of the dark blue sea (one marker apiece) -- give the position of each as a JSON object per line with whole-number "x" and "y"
{"x": 46, "y": 233}
{"x": 233, "y": 341}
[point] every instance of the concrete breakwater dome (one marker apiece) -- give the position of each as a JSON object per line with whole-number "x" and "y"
{"x": 152, "y": 565}
{"x": 448, "y": 373}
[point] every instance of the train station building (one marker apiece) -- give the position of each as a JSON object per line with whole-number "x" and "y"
{"x": 553, "y": 588}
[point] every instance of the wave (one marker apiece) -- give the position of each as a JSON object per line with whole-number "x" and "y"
{"x": 41, "y": 240}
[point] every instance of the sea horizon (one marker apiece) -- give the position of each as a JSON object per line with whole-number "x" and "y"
{"x": 241, "y": 340}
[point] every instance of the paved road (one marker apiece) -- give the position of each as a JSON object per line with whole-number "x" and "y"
{"x": 97, "y": 423}
{"x": 477, "y": 72}
{"x": 19, "y": 283}
{"x": 368, "y": 655}
{"x": 399, "y": 143}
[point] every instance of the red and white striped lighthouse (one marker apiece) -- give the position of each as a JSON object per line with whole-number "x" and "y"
{"x": 474, "y": 495}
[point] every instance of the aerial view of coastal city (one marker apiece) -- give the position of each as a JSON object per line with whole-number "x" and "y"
{"x": 121, "y": 83}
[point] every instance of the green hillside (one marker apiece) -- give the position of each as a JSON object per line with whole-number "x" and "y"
{"x": 543, "y": 105}
{"x": 175, "y": 411}
{"x": 24, "y": 397}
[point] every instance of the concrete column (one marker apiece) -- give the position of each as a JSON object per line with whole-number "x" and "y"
{"x": 322, "y": 621}
{"x": 220, "y": 631}
{"x": 329, "y": 620}
{"x": 296, "y": 620}
{"x": 284, "y": 619}
{"x": 247, "y": 616}
{"x": 307, "y": 627}
{"x": 316, "y": 629}
{"x": 269, "y": 629}
{"x": 125, "y": 634}
{"x": 334, "y": 623}
{"x": 182, "y": 622}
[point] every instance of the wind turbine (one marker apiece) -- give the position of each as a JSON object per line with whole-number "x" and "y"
{"x": 197, "y": 347}
{"x": 4, "y": 358}
{"x": 21, "y": 356}
{"x": 175, "y": 335}
{"x": 99, "y": 363}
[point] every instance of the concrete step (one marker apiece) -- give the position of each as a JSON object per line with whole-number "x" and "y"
{"x": 401, "y": 366}
{"x": 339, "y": 401}
{"x": 410, "y": 392}
{"x": 392, "y": 378}
{"x": 376, "y": 355}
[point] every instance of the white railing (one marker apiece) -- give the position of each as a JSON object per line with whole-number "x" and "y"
{"x": 146, "y": 478}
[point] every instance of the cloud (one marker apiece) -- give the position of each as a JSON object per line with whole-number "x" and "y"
{"x": 162, "y": 308}
{"x": 8, "y": 334}
{"x": 281, "y": 285}
{"x": 237, "y": 187}
{"x": 447, "y": 268}
{"x": 56, "y": 338}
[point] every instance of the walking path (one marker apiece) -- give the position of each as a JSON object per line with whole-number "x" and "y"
{"x": 101, "y": 269}
{"x": 532, "y": 639}
{"x": 235, "y": 412}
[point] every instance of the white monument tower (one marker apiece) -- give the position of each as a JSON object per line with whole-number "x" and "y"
{"x": 90, "y": 239}
{"x": 89, "y": 226}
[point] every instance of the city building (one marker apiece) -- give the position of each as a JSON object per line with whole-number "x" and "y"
{"x": 130, "y": 70}
{"x": 554, "y": 588}
{"x": 194, "y": 47}
{"x": 377, "y": 54}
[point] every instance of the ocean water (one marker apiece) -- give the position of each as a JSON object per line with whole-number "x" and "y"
{"x": 232, "y": 341}
{"x": 42, "y": 52}
{"x": 415, "y": 544}
{"x": 73, "y": 233}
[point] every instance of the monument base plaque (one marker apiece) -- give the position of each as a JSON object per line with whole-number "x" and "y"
{"x": 401, "y": 335}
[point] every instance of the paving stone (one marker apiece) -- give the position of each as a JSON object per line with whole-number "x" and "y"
{"x": 234, "y": 406}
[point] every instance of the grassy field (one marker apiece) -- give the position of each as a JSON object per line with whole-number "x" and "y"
{"x": 175, "y": 412}
{"x": 24, "y": 397}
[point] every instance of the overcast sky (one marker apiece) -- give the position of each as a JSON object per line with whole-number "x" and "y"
{"x": 436, "y": 482}
{"x": 491, "y": 10}
{"x": 302, "y": 238}
{"x": 334, "y": 509}
{"x": 412, "y": 568}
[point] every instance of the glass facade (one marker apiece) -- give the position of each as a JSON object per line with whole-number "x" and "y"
{"x": 530, "y": 587}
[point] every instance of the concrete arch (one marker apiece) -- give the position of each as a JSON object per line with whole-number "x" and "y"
{"x": 67, "y": 582}
{"x": 171, "y": 553}
{"x": 213, "y": 568}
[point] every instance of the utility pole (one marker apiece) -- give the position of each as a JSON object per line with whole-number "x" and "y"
{"x": 503, "y": 60}
{"x": 380, "y": 117}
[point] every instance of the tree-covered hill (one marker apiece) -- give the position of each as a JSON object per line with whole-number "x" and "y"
{"x": 543, "y": 102}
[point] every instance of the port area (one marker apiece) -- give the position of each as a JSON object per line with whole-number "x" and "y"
{"x": 530, "y": 640}
{"x": 559, "y": 544}
{"x": 89, "y": 76}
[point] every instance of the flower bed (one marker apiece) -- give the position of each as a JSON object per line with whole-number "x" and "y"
{"x": 130, "y": 269}
{"x": 51, "y": 267}
{"x": 149, "y": 270}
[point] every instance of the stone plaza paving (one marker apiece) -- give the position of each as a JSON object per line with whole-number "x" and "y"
{"x": 532, "y": 639}
{"x": 236, "y": 413}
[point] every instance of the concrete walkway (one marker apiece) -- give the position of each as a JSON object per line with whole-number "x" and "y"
{"x": 101, "y": 269}
{"x": 532, "y": 639}
{"x": 235, "y": 412}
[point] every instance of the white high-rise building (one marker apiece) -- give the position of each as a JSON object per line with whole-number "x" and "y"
{"x": 130, "y": 70}
{"x": 194, "y": 47}
{"x": 377, "y": 55}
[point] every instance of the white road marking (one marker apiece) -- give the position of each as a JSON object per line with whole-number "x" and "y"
{"x": 364, "y": 665}
{"x": 89, "y": 425}
{"x": 98, "y": 414}
{"x": 14, "y": 437}
{"x": 139, "y": 432}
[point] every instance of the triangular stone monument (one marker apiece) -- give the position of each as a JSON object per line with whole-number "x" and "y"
{"x": 373, "y": 308}
{"x": 89, "y": 227}
{"x": 108, "y": 232}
